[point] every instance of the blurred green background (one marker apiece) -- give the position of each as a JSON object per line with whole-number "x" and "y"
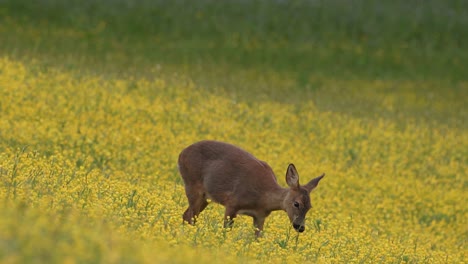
{"x": 334, "y": 52}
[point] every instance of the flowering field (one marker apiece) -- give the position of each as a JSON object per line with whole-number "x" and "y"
{"x": 88, "y": 173}
{"x": 94, "y": 111}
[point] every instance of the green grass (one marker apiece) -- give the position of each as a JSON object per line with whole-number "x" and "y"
{"x": 373, "y": 39}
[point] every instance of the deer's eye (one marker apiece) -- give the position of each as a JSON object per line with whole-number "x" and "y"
{"x": 296, "y": 204}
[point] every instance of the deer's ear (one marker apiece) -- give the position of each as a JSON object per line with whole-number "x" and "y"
{"x": 292, "y": 177}
{"x": 313, "y": 183}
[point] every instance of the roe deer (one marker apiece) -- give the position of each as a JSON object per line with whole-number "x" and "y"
{"x": 245, "y": 185}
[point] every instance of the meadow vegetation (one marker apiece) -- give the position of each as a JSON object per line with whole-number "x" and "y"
{"x": 97, "y": 99}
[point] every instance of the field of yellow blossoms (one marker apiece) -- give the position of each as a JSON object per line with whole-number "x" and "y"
{"x": 88, "y": 174}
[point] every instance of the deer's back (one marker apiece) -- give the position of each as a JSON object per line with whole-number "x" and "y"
{"x": 225, "y": 171}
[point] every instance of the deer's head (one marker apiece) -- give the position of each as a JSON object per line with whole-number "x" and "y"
{"x": 297, "y": 201}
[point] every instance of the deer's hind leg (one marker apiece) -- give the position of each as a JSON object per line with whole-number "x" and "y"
{"x": 197, "y": 202}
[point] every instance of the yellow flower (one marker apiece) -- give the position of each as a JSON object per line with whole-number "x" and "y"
{"x": 88, "y": 174}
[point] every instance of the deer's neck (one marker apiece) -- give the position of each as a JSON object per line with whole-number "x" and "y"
{"x": 275, "y": 199}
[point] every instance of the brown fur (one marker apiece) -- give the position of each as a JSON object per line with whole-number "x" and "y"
{"x": 236, "y": 179}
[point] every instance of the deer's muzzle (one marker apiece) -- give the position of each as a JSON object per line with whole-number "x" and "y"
{"x": 299, "y": 228}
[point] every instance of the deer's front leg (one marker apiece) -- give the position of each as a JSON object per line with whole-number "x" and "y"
{"x": 229, "y": 216}
{"x": 258, "y": 223}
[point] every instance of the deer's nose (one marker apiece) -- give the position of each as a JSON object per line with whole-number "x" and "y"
{"x": 299, "y": 228}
